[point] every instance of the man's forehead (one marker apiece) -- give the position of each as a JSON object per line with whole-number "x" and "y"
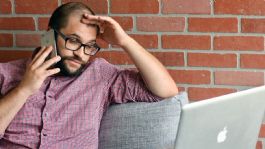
{"x": 85, "y": 33}
{"x": 75, "y": 18}
{"x": 79, "y": 13}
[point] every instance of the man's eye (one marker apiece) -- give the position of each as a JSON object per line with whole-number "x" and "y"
{"x": 91, "y": 44}
{"x": 73, "y": 40}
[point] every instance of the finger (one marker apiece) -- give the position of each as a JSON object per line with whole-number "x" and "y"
{"x": 101, "y": 25}
{"x": 50, "y": 62}
{"x": 88, "y": 21}
{"x": 38, "y": 54}
{"x": 42, "y": 57}
{"x": 51, "y": 72}
{"x": 100, "y": 19}
{"x": 95, "y": 23}
{"x": 92, "y": 23}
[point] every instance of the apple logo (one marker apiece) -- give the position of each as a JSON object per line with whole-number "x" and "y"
{"x": 222, "y": 135}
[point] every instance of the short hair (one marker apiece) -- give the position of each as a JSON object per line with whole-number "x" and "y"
{"x": 60, "y": 16}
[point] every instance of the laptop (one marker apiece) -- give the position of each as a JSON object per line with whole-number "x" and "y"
{"x": 230, "y": 121}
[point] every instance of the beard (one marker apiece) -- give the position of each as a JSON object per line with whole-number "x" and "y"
{"x": 65, "y": 70}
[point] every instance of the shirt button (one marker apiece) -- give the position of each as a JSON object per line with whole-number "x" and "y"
{"x": 46, "y": 114}
{"x": 49, "y": 96}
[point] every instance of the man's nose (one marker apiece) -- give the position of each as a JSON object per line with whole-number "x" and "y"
{"x": 80, "y": 52}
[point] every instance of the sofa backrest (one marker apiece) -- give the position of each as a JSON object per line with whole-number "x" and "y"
{"x": 142, "y": 125}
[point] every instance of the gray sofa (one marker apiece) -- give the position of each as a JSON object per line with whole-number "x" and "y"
{"x": 142, "y": 125}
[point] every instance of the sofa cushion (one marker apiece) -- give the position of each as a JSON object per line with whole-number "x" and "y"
{"x": 141, "y": 125}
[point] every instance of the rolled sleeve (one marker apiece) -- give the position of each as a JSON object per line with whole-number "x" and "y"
{"x": 1, "y": 83}
{"x": 128, "y": 86}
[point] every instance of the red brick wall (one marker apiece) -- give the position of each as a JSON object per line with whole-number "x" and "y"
{"x": 211, "y": 47}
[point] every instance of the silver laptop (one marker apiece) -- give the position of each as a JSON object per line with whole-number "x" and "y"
{"x": 226, "y": 122}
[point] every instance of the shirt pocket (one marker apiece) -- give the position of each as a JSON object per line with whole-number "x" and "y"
{"x": 38, "y": 99}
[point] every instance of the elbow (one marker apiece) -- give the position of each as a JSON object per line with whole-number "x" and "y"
{"x": 173, "y": 92}
{"x": 169, "y": 92}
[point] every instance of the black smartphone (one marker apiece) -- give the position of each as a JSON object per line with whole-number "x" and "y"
{"x": 47, "y": 39}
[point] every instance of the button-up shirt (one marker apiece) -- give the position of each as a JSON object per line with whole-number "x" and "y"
{"x": 66, "y": 111}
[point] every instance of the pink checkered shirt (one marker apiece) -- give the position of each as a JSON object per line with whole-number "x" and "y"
{"x": 66, "y": 112}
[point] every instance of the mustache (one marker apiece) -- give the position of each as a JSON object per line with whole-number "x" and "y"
{"x": 74, "y": 58}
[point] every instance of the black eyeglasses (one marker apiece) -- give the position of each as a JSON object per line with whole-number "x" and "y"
{"x": 74, "y": 44}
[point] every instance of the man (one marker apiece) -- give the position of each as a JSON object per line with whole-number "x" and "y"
{"x": 60, "y": 106}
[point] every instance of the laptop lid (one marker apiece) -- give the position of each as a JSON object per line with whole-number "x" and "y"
{"x": 226, "y": 122}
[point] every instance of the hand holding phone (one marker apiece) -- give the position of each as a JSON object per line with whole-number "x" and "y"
{"x": 38, "y": 70}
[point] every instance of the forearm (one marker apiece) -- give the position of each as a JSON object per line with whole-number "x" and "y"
{"x": 36, "y": 72}
{"x": 155, "y": 75}
{"x": 10, "y": 104}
